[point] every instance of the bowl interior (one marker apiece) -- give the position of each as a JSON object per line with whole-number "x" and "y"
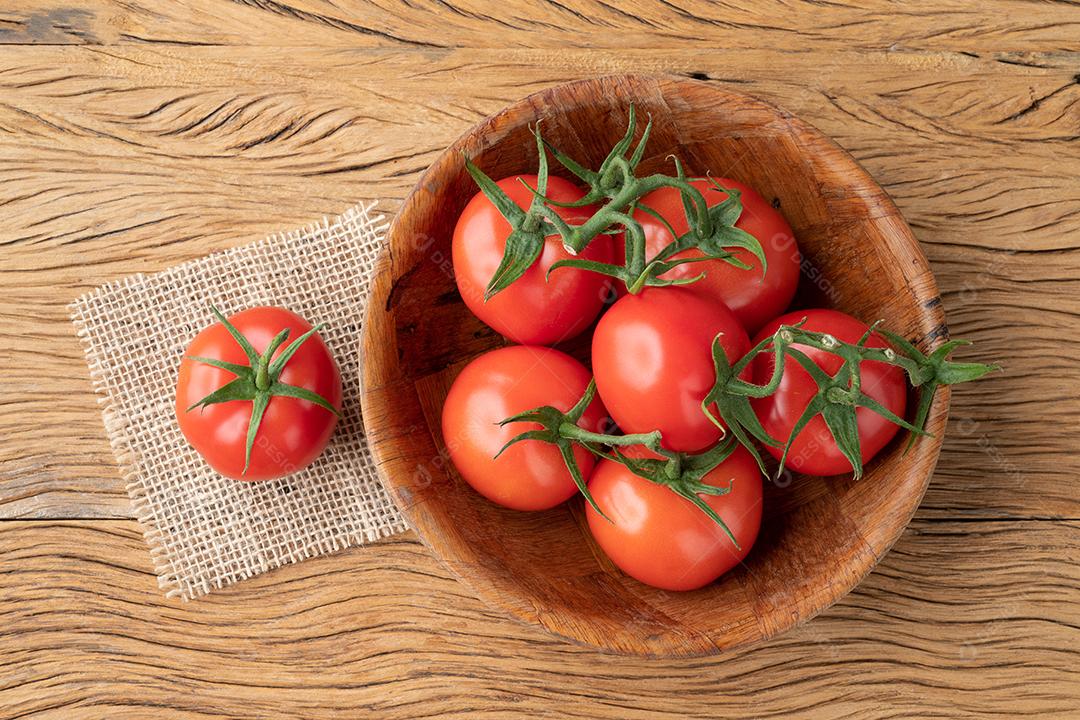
{"x": 819, "y": 537}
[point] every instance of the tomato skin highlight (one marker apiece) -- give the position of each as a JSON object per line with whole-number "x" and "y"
{"x": 662, "y": 539}
{"x": 652, "y": 357}
{"x": 531, "y": 474}
{"x": 293, "y": 432}
{"x": 536, "y": 309}
{"x": 814, "y": 451}
{"x": 752, "y": 297}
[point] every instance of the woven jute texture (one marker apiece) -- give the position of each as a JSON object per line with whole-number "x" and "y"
{"x": 206, "y": 531}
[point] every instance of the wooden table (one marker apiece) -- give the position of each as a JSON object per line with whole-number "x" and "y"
{"x": 141, "y": 133}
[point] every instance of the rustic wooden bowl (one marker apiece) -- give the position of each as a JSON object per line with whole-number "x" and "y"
{"x": 819, "y": 536}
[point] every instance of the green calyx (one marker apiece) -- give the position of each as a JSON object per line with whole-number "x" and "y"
{"x": 839, "y": 395}
{"x": 528, "y": 228}
{"x": 258, "y": 381}
{"x": 562, "y": 430}
{"x": 680, "y": 473}
{"x": 684, "y": 475}
{"x": 731, "y": 396}
{"x": 929, "y": 372}
{"x": 619, "y": 190}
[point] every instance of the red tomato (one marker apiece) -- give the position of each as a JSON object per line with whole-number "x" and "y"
{"x": 814, "y": 451}
{"x": 652, "y": 357}
{"x": 754, "y": 299}
{"x": 535, "y": 309}
{"x": 662, "y": 539}
{"x": 531, "y": 474}
{"x": 293, "y": 432}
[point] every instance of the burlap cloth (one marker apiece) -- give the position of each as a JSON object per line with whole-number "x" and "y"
{"x": 206, "y": 531}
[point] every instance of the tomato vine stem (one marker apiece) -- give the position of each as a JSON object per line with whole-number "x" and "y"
{"x": 679, "y": 472}
{"x": 711, "y": 228}
{"x": 839, "y": 395}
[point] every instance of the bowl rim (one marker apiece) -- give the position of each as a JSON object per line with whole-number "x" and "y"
{"x": 930, "y": 446}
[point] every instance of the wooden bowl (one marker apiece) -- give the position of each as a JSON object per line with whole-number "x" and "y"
{"x": 819, "y": 536}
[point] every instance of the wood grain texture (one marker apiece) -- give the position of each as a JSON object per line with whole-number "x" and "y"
{"x": 950, "y": 625}
{"x": 1016, "y": 26}
{"x": 118, "y": 156}
{"x": 148, "y": 157}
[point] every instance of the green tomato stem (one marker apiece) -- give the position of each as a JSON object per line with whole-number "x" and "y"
{"x": 262, "y": 377}
{"x": 839, "y": 395}
{"x": 634, "y": 189}
{"x": 570, "y": 431}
